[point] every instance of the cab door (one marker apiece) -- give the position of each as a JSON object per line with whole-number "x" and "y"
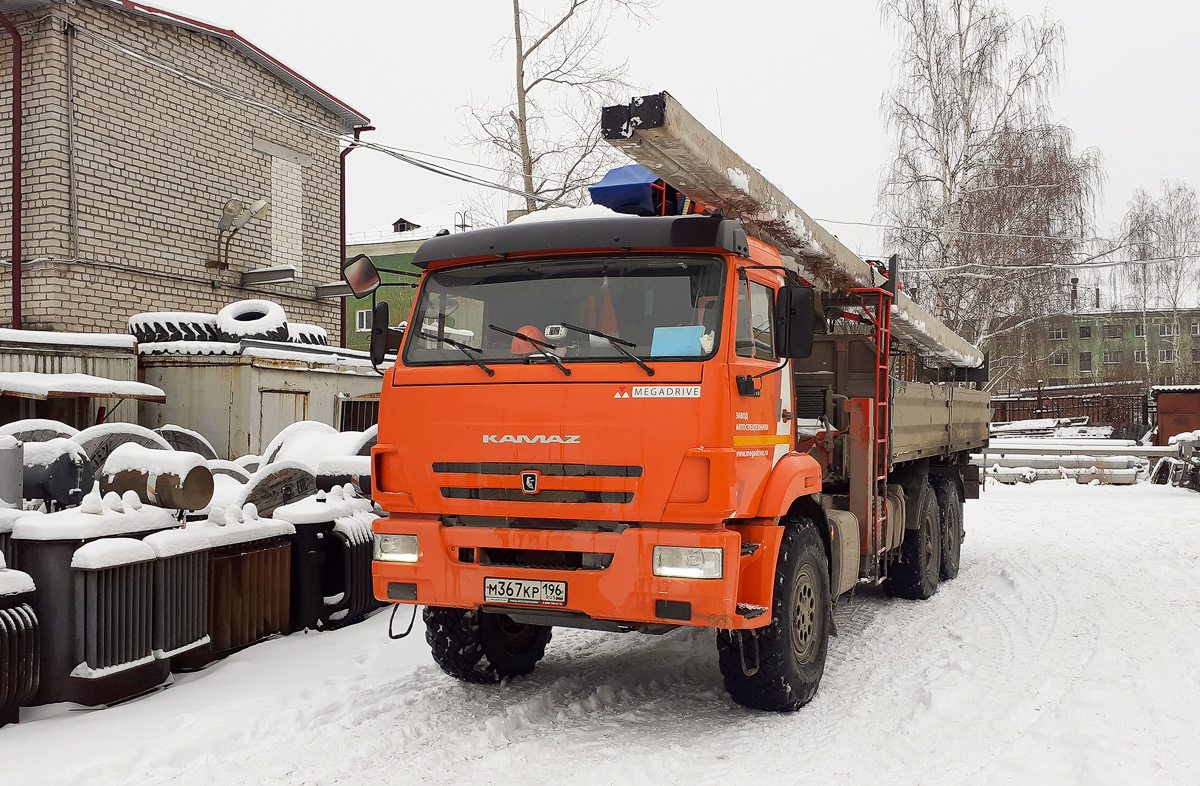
{"x": 762, "y": 418}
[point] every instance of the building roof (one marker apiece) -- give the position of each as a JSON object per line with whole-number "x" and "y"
{"x": 350, "y": 117}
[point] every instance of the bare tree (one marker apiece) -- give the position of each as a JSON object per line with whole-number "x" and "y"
{"x": 1160, "y": 269}
{"x": 546, "y": 136}
{"x": 986, "y": 196}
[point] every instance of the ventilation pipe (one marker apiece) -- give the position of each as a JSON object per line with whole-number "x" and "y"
{"x": 342, "y": 250}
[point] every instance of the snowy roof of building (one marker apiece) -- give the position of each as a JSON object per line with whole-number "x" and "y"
{"x": 1157, "y": 389}
{"x": 443, "y": 219}
{"x": 71, "y": 340}
{"x": 349, "y": 116}
{"x": 31, "y": 384}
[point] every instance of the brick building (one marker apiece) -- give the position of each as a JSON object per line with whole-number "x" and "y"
{"x": 139, "y": 126}
{"x": 1088, "y": 348}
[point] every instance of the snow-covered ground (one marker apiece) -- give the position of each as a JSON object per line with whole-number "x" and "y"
{"x": 1065, "y": 652}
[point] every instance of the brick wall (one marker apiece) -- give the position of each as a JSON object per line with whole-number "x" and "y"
{"x": 155, "y": 159}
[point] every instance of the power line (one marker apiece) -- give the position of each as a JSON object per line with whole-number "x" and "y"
{"x": 1013, "y": 235}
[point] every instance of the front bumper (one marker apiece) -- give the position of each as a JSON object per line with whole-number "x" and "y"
{"x": 627, "y": 591}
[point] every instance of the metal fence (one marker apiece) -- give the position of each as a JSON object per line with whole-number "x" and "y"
{"x": 1118, "y": 410}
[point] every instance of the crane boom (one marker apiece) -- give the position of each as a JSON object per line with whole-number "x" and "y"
{"x": 658, "y": 133}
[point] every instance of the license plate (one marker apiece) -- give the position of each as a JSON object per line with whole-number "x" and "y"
{"x": 524, "y": 591}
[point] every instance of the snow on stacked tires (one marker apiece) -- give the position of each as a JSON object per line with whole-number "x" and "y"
{"x": 257, "y": 320}
{"x": 128, "y": 534}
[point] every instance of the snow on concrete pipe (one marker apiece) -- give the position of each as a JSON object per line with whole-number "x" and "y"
{"x": 168, "y": 479}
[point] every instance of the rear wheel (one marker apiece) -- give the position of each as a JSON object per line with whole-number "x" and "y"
{"x": 483, "y": 648}
{"x": 951, "y": 510}
{"x": 790, "y": 652}
{"x": 915, "y": 574}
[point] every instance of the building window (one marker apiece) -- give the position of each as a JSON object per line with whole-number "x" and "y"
{"x": 1113, "y": 357}
{"x": 1058, "y": 334}
{"x": 1112, "y": 331}
{"x": 1085, "y": 362}
{"x": 1168, "y": 329}
{"x": 1167, "y": 356}
{"x": 1196, "y": 328}
{"x": 1085, "y": 331}
{"x": 1058, "y": 359}
{"x": 362, "y": 320}
{"x": 1196, "y": 355}
{"x": 1139, "y": 356}
{"x": 1139, "y": 330}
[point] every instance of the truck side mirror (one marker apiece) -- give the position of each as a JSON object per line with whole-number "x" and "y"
{"x": 360, "y": 275}
{"x": 384, "y": 338}
{"x": 794, "y": 321}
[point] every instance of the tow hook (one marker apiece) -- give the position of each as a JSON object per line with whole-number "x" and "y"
{"x": 749, "y": 672}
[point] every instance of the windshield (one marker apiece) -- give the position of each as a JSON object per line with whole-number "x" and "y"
{"x": 578, "y": 310}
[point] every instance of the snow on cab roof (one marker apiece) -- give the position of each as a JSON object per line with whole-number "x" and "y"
{"x": 32, "y": 384}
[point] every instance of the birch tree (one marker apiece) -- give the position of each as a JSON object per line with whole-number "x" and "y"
{"x": 986, "y": 197}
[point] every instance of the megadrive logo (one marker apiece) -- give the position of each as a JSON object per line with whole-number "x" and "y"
{"x": 535, "y": 439}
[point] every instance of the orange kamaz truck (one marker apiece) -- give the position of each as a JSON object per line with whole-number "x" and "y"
{"x": 700, "y": 410}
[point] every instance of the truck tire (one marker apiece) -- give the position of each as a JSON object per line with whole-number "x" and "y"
{"x": 483, "y": 648}
{"x": 791, "y": 650}
{"x": 951, "y": 509}
{"x": 915, "y": 574}
{"x": 261, "y": 320}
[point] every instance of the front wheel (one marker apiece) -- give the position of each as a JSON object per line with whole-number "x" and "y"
{"x": 790, "y": 652}
{"x": 483, "y": 648}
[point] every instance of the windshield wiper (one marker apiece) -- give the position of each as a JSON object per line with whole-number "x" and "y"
{"x": 618, "y": 344}
{"x": 538, "y": 344}
{"x": 467, "y": 349}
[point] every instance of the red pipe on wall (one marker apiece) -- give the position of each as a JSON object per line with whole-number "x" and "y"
{"x": 342, "y": 251}
{"x": 16, "y": 171}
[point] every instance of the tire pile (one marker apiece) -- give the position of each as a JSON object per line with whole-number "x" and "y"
{"x": 261, "y": 320}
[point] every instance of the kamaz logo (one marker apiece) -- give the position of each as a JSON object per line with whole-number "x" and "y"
{"x": 526, "y": 439}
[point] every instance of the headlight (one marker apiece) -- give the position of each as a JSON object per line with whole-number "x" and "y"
{"x": 396, "y": 548}
{"x": 682, "y": 562}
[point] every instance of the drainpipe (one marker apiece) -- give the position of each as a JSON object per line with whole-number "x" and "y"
{"x": 16, "y": 171}
{"x": 342, "y": 187}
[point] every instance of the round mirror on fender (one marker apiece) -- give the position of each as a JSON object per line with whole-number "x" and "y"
{"x": 360, "y": 275}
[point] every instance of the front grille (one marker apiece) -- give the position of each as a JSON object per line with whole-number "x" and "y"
{"x": 545, "y": 560}
{"x": 554, "y": 470}
{"x": 569, "y": 496}
{"x": 515, "y": 522}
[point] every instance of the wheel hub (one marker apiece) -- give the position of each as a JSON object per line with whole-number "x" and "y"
{"x": 806, "y": 616}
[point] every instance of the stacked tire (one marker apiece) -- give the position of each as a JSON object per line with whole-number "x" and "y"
{"x": 260, "y": 320}
{"x": 161, "y": 326}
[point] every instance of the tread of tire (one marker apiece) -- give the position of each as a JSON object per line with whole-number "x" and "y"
{"x": 947, "y": 493}
{"x": 454, "y": 638}
{"x": 904, "y": 579}
{"x": 768, "y": 689}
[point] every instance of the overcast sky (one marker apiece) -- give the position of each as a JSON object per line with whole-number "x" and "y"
{"x": 799, "y": 86}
